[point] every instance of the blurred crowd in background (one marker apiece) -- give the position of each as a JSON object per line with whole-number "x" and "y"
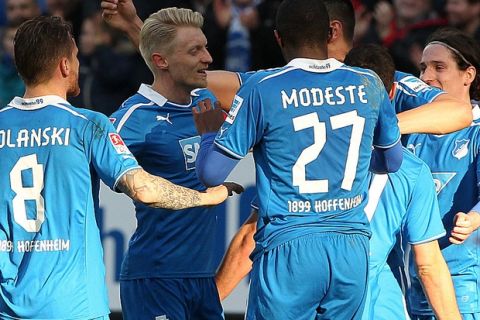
{"x": 239, "y": 33}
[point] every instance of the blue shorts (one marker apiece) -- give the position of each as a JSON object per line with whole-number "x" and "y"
{"x": 317, "y": 276}
{"x": 173, "y": 299}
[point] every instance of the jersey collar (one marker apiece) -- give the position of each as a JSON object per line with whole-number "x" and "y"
{"x": 147, "y": 91}
{"x": 37, "y": 102}
{"x": 312, "y": 65}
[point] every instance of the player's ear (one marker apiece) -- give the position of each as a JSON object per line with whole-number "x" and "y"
{"x": 159, "y": 61}
{"x": 64, "y": 67}
{"x": 336, "y": 30}
{"x": 470, "y": 75}
{"x": 278, "y": 38}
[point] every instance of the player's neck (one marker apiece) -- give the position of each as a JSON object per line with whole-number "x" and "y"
{"x": 305, "y": 52}
{"x": 171, "y": 91}
{"x": 44, "y": 89}
{"x": 338, "y": 51}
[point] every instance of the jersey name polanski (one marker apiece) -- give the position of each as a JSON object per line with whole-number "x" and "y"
{"x": 51, "y": 257}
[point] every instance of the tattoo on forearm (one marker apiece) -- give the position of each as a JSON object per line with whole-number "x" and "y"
{"x": 157, "y": 192}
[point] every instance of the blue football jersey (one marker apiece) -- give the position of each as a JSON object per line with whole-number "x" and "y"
{"x": 411, "y": 92}
{"x": 402, "y": 204}
{"x": 455, "y": 165}
{"x": 51, "y": 258}
{"x": 311, "y": 125}
{"x": 163, "y": 138}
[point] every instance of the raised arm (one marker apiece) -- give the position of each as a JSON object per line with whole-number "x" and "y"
{"x": 224, "y": 85}
{"x": 436, "y": 281}
{"x": 236, "y": 263}
{"x": 159, "y": 193}
{"x": 122, "y": 15}
{"x": 443, "y": 115}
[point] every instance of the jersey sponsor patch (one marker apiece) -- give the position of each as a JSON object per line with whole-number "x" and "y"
{"x": 190, "y": 148}
{"x": 118, "y": 143}
{"x": 236, "y": 104}
{"x": 461, "y": 148}
{"x": 414, "y": 84}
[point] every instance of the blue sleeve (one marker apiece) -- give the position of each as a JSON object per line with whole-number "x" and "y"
{"x": 423, "y": 223}
{"x": 244, "y": 125}
{"x": 386, "y": 133}
{"x": 212, "y": 165}
{"x": 386, "y": 160}
{"x": 411, "y": 92}
{"x": 109, "y": 155}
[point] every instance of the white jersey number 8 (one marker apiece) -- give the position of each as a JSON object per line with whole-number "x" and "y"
{"x": 28, "y": 193}
{"x": 312, "y": 152}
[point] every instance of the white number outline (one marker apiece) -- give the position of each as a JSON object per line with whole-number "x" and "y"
{"x": 28, "y": 193}
{"x": 312, "y": 152}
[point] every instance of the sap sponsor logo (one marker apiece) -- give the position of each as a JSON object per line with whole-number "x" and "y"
{"x": 190, "y": 148}
{"x": 415, "y": 84}
{"x": 118, "y": 143}
{"x": 236, "y": 104}
{"x": 441, "y": 179}
{"x": 164, "y": 118}
{"x": 461, "y": 148}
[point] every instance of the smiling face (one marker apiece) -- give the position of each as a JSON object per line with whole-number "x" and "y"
{"x": 438, "y": 68}
{"x": 188, "y": 58}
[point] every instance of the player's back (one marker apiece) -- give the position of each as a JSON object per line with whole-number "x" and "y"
{"x": 51, "y": 257}
{"x": 401, "y": 205}
{"x": 313, "y": 139}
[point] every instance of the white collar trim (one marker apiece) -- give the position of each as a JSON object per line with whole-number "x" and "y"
{"x": 147, "y": 91}
{"x": 37, "y": 102}
{"x": 312, "y": 65}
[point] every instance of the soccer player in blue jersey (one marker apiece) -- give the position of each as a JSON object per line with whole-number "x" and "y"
{"x": 451, "y": 61}
{"x": 51, "y": 155}
{"x": 311, "y": 125}
{"x": 170, "y": 264}
{"x": 424, "y": 110}
{"x": 402, "y": 205}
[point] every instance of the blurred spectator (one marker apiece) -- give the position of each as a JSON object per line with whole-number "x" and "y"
{"x": 18, "y": 11}
{"x": 71, "y": 10}
{"x": 107, "y": 67}
{"x": 403, "y": 27}
{"x": 11, "y": 84}
{"x": 464, "y": 15}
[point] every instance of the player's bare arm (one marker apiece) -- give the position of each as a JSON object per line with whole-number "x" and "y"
{"x": 160, "y": 193}
{"x": 444, "y": 115}
{"x": 436, "y": 280}
{"x": 122, "y": 15}
{"x": 236, "y": 263}
{"x": 224, "y": 85}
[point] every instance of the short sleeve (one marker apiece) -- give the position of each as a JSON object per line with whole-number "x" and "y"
{"x": 109, "y": 155}
{"x": 423, "y": 223}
